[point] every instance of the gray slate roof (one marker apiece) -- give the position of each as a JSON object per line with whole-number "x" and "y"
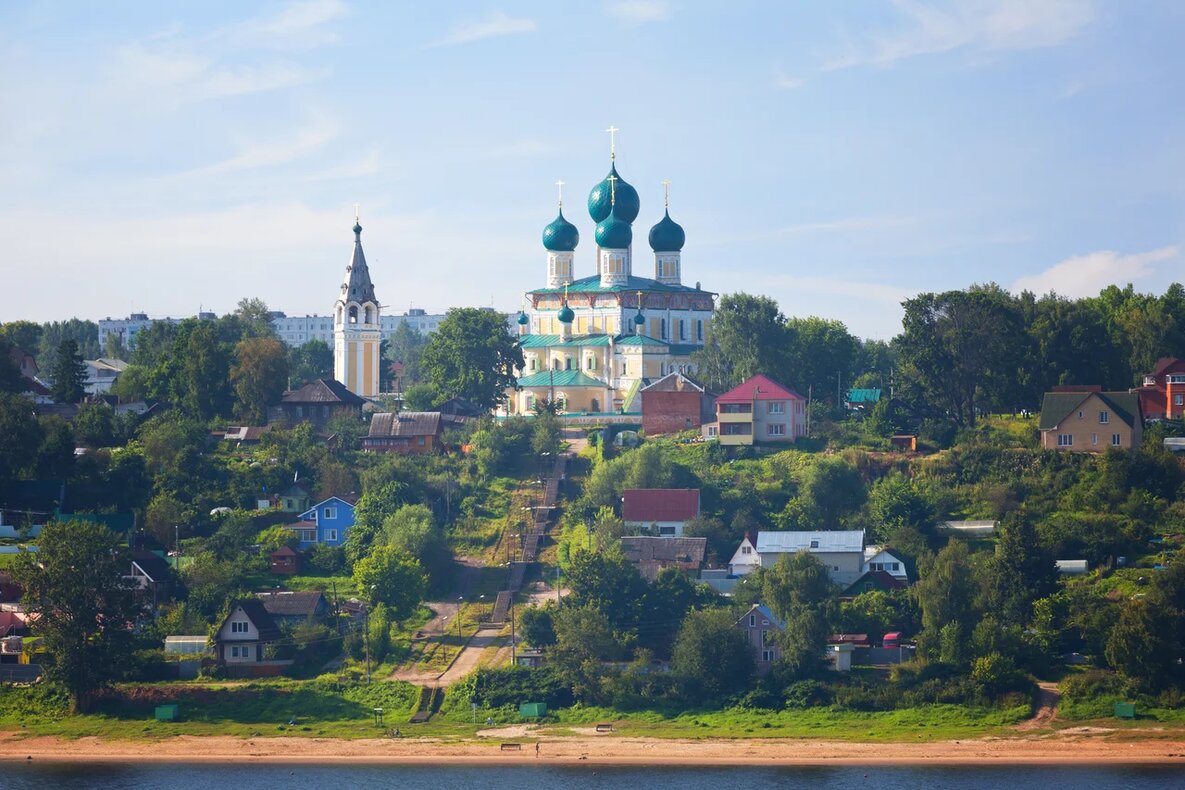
{"x": 643, "y": 548}
{"x": 291, "y": 603}
{"x": 357, "y": 287}
{"x": 323, "y": 391}
{"x": 257, "y": 614}
{"x": 834, "y": 541}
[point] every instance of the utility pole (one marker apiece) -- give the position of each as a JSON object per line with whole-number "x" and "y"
{"x": 513, "y": 658}
{"x": 808, "y": 410}
{"x": 367, "y": 626}
{"x": 558, "y": 602}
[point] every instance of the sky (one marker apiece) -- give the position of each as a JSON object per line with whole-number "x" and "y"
{"x": 838, "y": 157}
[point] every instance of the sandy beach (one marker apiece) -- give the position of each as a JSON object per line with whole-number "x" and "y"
{"x": 1081, "y": 746}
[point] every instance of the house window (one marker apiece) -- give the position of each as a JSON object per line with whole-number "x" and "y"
{"x": 567, "y": 363}
{"x": 421, "y": 440}
{"x": 592, "y": 363}
{"x": 776, "y": 407}
{"x": 814, "y": 544}
{"x": 699, "y": 330}
{"x": 1065, "y": 440}
{"x": 765, "y": 636}
{"x": 1104, "y": 417}
{"x": 1094, "y": 439}
{"x": 682, "y": 330}
{"x": 1081, "y": 415}
{"x": 1116, "y": 440}
{"x": 531, "y": 363}
{"x": 237, "y": 627}
{"x": 752, "y": 621}
{"x": 330, "y": 513}
{"x": 746, "y": 550}
{"x": 1179, "y": 400}
{"x": 713, "y": 430}
{"x": 776, "y": 429}
{"x": 662, "y": 328}
{"x": 767, "y": 655}
{"x": 895, "y": 566}
{"x": 331, "y": 534}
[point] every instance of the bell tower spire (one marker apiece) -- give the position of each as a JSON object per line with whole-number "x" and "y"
{"x": 356, "y": 324}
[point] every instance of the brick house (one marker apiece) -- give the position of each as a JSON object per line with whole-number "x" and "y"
{"x": 674, "y": 403}
{"x": 1162, "y": 395}
{"x": 1090, "y": 421}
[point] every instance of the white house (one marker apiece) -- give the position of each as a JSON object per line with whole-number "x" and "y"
{"x": 746, "y": 559}
{"x": 878, "y": 558}
{"x": 245, "y": 632}
{"x": 663, "y": 510}
{"x": 840, "y": 551}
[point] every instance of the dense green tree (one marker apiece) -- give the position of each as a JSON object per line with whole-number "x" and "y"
{"x": 712, "y": 655}
{"x": 472, "y": 355}
{"x": 798, "y": 589}
{"x": 946, "y": 593}
{"x": 608, "y": 583}
{"x": 1023, "y": 571}
{"x": 76, "y": 585}
{"x": 83, "y": 333}
{"x": 254, "y": 318}
{"x": 94, "y": 425}
{"x": 54, "y": 459}
{"x": 11, "y": 379}
{"x": 422, "y": 396}
{"x": 537, "y": 625}
{"x": 309, "y": 362}
{"x": 259, "y": 375}
{"x": 584, "y": 637}
{"x": 68, "y": 373}
{"x": 25, "y": 335}
{"x": 746, "y": 337}
{"x": 834, "y": 490}
{"x": 406, "y": 345}
{"x": 205, "y": 388}
{"x": 392, "y": 577}
{"x": 22, "y": 434}
{"x": 822, "y": 357}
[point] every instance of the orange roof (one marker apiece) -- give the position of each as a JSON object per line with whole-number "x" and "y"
{"x": 758, "y": 388}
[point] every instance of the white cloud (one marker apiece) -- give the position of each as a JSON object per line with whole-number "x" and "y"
{"x": 1086, "y": 275}
{"x": 301, "y": 17}
{"x": 493, "y": 26}
{"x": 784, "y": 83}
{"x": 637, "y": 12}
{"x": 982, "y": 25}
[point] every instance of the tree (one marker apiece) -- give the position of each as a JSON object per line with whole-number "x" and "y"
{"x": 1024, "y": 571}
{"x": 205, "y": 373}
{"x": 1139, "y": 645}
{"x": 946, "y": 594}
{"x": 712, "y": 655}
{"x": 608, "y": 583}
{"x": 76, "y": 585}
{"x": 68, "y": 373}
{"x": 94, "y": 425}
{"x": 22, "y": 434}
{"x": 25, "y": 335}
{"x": 254, "y": 318}
{"x": 472, "y": 355}
{"x": 799, "y": 590}
{"x": 260, "y": 375}
{"x": 84, "y": 333}
{"x": 413, "y": 529}
{"x": 406, "y": 346}
{"x": 537, "y": 625}
{"x": 421, "y": 396}
{"x": 11, "y": 379}
{"x": 392, "y": 577}
{"x": 821, "y": 354}
{"x": 309, "y": 362}
{"x": 584, "y": 638}
{"x": 746, "y": 337}
{"x": 834, "y": 489}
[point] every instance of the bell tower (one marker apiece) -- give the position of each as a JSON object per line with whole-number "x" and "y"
{"x": 356, "y": 329}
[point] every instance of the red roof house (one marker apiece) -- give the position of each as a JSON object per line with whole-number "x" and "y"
{"x": 1162, "y": 397}
{"x": 666, "y": 509}
{"x": 759, "y": 410}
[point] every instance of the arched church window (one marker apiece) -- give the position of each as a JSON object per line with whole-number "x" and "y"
{"x": 530, "y": 402}
{"x": 531, "y": 364}
{"x": 594, "y": 405}
{"x": 555, "y": 364}
{"x": 369, "y": 315}
{"x": 662, "y": 328}
{"x": 561, "y": 401}
{"x": 353, "y": 314}
{"x": 567, "y": 363}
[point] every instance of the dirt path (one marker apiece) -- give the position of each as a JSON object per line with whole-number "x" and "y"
{"x": 470, "y": 658}
{"x": 1047, "y": 698}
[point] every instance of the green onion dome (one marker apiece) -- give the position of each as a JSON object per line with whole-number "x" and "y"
{"x": 560, "y": 235}
{"x": 613, "y": 233}
{"x": 600, "y": 200}
{"x": 667, "y": 235}
{"x": 638, "y": 318}
{"x": 522, "y": 318}
{"x": 565, "y": 314}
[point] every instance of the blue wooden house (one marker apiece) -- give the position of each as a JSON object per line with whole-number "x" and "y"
{"x": 325, "y": 523}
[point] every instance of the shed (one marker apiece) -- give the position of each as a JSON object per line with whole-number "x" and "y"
{"x": 285, "y": 561}
{"x": 186, "y": 645}
{"x": 1072, "y": 567}
{"x": 532, "y": 710}
{"x": 168, "y": 712}
{"x": 904, "y": 441}
{"x": 1125, "y": 710}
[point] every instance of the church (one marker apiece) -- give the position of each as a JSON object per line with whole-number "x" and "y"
{"x": 590, "y": 344}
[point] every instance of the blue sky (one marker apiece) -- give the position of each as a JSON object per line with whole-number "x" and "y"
{"x": 838, "y": 157}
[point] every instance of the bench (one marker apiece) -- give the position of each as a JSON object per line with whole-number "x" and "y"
{"x": 512, "y": 747}
{"x": 604, "y": 728}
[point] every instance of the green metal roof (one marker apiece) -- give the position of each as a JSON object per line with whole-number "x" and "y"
{"x": 864, "y": 396}
{"x": 644, "y": 284}
{"x": 1057, "y": 406}
{"x": 559, "y": 378}
{"x": 554, "y": 341}
{"x": 640, "y": 340}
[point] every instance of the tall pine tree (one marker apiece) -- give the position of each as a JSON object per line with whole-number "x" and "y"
{"x": 68, "y": 373}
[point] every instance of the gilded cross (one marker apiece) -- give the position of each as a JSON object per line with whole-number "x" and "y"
{"x": 559, "y": 185}
{"x": 612, "y": 130}
{"x": 356, "y": 212}
{"x": 666, "y": 193}
{"x": 612, "y": 190}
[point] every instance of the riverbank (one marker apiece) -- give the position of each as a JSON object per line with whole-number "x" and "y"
{"x": 1065, "y": 747}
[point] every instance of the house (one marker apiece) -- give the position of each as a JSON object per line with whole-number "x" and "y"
{"x": 860, "y": 399}
{"x": 101, "y": 374}
{"x": 650, "y": 554}
{"x": 294, "y": 499}
{"x": 245, "y": 434}
{"x": 878, "y": 559}
{"x": 746, "y": 559}
{"x": 406, "y": 432}
{"x": 759, "y": 410}
{"x": 285, "y": 561}
{"x": 1162, "y": 395}
{"x": 1072, "y": 567}
{"x": 839, "y": 656}
{"x": 873, "y": 581}
{"x": 317, "y": 402}
{"x": 325, "y": 523}
{"x": 674, "y": 403}
{"x": 759, "y": 625}
{"x": 293, "y": 607}
{"x": 1090, "y": 420}
{"x": 241, "y": 641}
{"x": 151, "y": 574}
{"x": 662, "y": 510}
{"x": 457, "y": 410}
{"x": 840, "y": 551}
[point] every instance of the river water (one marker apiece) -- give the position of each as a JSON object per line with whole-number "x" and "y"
{"x": 80, "y": 776}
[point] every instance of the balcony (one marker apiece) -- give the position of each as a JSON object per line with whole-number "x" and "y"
{"x": 734, "y": 417}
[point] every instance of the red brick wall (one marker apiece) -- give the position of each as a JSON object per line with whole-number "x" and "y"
{"x": 670, "y": 412}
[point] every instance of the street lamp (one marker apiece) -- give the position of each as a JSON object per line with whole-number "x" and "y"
{"x": 369, "y": 603}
